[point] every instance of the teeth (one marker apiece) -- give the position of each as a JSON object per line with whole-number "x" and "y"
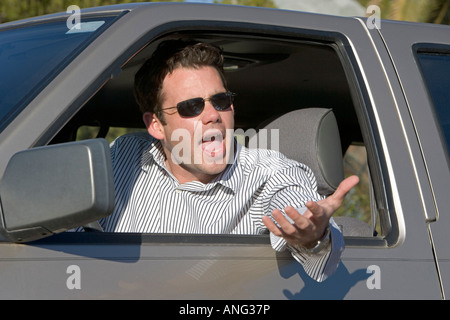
{"x": 212, "y": 136}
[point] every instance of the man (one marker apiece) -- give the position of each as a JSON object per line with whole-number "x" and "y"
{"x": 190, "y": 176}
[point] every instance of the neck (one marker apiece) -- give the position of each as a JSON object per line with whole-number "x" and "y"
{"x": 183, "y": 175}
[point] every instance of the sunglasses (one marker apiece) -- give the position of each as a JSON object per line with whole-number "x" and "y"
{"x": 193, "y": 107}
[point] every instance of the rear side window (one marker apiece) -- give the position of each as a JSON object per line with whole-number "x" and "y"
{"x": 436, "y": 72}
{"x": 31, "y": 56}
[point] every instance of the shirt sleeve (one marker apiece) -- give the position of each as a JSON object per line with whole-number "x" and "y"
{"x": 294, "y": 187}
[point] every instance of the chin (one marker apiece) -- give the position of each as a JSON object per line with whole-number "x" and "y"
{"x": 214, "y": 169}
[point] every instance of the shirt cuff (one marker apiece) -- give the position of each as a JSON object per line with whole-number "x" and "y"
{"x": 318, "y": 266}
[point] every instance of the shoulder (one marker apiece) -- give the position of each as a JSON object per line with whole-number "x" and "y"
{"x": 139, "y": 139}
{"x": 132, "y": 145}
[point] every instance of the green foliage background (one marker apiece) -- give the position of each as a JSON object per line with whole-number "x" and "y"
{"x": 430, "y": 11}
{"x": 11, "y": 10}
{"x": 19, "y": 9}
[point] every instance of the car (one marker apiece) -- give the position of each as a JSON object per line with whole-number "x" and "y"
{"x": 66, "y": 91}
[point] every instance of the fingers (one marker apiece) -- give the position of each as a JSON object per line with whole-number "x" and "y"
{"x": 301, "y": 221}
{"x": 283, "y": 227}
{"x": 330, "y": 204}
{"x": 315, "y": 209}
{"x": 271, "y": 226}
{"x": 298, "y": 227}
{"x": 344, "y": 187}
{"x": 308, "y": 227}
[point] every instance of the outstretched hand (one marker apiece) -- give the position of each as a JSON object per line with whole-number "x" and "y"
{"x": 310, "y": 227}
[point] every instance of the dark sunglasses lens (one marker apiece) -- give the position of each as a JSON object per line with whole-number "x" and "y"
{"x": 222, "y": 101}
{"x": 191, "y": 107}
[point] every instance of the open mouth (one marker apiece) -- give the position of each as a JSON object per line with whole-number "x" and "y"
{"x": 213, "y": 143}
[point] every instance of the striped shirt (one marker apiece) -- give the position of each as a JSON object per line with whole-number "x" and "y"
{"x": 149, "y": 199}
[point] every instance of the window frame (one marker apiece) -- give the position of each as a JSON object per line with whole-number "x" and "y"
{"x": 358, "y": 90}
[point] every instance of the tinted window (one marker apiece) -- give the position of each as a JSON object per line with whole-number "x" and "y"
{"x": 31, "y": 56}
{"x": 436, "y": 71}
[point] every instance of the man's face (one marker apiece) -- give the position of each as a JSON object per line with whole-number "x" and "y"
{"x": 197, "y": 148}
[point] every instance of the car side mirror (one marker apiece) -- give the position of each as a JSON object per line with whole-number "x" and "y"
{"x": 48, "y": 190}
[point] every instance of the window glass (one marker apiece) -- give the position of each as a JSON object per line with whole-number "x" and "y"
{"x": 436, "y": 72}
{"x": 357, "y": 204}
{"x": 31, "y": 56}
{"x": 356, "y": 207}
{"x": 92, "y": 132}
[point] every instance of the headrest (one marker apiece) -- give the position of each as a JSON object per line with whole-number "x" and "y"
{"x": 309, "y": 136}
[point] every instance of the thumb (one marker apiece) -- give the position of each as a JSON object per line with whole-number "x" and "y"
{"x": 344, "y": 187}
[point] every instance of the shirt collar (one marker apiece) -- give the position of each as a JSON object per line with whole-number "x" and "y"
{"x": 230, "y": 177}
{"x": 156, "y": 153}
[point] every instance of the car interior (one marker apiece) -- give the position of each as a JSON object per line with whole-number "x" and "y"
{"x": 272, "y": 76}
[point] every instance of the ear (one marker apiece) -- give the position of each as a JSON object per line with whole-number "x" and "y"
{"x": 154, "y": 125}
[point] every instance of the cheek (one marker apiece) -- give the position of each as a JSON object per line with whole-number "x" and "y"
{"x": 228, "y": 119}
{"x": 180, "y": 140}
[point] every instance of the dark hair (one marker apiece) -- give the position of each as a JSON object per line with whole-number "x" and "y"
{"x": 170, "y": 55}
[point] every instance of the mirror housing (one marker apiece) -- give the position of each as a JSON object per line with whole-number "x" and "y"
{"x": 51, "y": 189}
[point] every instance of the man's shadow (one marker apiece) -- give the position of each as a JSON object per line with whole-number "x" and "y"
{"x": 335, "y": 287}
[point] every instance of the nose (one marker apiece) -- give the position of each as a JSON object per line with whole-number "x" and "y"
{"x": 209, "y": 114}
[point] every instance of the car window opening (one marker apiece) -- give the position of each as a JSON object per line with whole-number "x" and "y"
{"x": 271, "y": 77}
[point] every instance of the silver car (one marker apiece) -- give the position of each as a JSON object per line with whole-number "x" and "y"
{"x": 66, "y": 90}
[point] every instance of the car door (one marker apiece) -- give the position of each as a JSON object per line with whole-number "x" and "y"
{"x": 421, "y": 59}
{"x": 396, "y": 263}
